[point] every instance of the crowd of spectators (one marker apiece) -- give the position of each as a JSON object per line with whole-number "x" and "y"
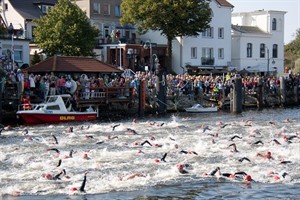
{"x": 51, "y": 84}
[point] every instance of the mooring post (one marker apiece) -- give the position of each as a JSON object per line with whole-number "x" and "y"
{"x": 283, "y": 90}
{"x": 141, "y": 95}
{"x": 237, "y": 95}
{"x": 260, "y": 94}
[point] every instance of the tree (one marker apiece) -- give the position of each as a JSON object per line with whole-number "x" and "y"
{"x": 292, "y": 51}
{"x": 173, "y": 18}
{"x": 65, "y": 30}
{"x": 36, "y": 58}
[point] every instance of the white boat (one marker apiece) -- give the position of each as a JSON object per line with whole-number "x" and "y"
{"x": 198, "y": 108}
{"x": 57, "y": 108}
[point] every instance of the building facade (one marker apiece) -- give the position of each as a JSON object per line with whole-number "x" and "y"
{"x": 210, "y": 50}
{"x": 258, "y": 41}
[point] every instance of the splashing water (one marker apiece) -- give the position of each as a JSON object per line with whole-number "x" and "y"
{"x": 116, "y": 160}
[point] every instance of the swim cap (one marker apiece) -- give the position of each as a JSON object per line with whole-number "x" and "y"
{"x": 248, "y": 178}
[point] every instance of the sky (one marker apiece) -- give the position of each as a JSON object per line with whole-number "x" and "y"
{"x": 292, "y": 17}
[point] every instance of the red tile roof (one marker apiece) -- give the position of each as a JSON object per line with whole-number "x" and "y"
{"x": 224, "y": 3}
{"x": 72, "y": 64}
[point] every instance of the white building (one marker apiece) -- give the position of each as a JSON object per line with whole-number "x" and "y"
{"x": 258, "y": 41}
{"x": 20, "y": 14}
{"x": 210, "y": 50}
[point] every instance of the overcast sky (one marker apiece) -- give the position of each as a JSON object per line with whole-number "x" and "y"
{"x": 292, "y": 7}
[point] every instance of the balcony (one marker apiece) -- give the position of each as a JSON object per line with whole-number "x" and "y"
{"x": 207, "y": 61}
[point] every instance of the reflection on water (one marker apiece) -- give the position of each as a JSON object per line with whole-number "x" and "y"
{"x": 110, "y": 155}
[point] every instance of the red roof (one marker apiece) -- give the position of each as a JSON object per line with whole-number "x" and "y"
{"x": 224, "y": 3}
{"x": 72, "y": 64}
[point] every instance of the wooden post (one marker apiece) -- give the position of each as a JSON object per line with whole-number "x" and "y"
{"x": 295, "y": 94}
{"x": 237, "y": 96}
{"x": 141, "y": 110}
{"x": 1, "y": 93}
{"x": 260, "y": 94}
{"x": 283, "y": 91}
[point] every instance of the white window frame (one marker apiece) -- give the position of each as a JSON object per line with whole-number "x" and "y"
{"x": 193, "y": 52}
{"x": 221, "y": 53}
{"x": 208, "y": 33}
{"x": 96, "y": 8}
{"x": 106, "y": 9}
{"x": 221, "y": 33}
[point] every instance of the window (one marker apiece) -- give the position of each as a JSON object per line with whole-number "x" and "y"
{"x": 193, "y": 52}
{"x": 106, "y": 9}
{"x": 221, "y": 53}
{"x": 249, "y": 50}
{"x": 118, "y": 11}
{"x": 96, "y": 8}
{"x": 274, "y": 24}
{"x": 208, "y": 33}
{"x": 5, "y": 6}
{"x": 262, "y": 50}
{"x": 275, "y": 51}
{"x": 207, "y": 56}
{"x": 221, "y": 33}
{"x": 45, "y": 8}
{"x": 18, "y": 52}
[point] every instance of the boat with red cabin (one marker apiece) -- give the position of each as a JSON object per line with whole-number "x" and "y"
{"x": 56, "y": 109}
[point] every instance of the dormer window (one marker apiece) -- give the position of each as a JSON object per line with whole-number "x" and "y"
{"x": 274, "y": 24}
{"x": 45, "y": 8}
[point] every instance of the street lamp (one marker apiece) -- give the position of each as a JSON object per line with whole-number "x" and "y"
{"x": 120, "y": 54}
{"x": 156, "y": 60}
{"x": 146, "y": 44}
{"x": 11, "y": 32}
{"x": 268, "y": 64}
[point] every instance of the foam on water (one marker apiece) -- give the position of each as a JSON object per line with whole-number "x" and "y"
{"x": 26, "y": 158}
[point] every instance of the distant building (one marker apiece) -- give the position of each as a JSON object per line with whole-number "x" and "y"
{"x": 258, "y": 41}
{"x": 210, "y": 50}
{"x": 21, "y": 13}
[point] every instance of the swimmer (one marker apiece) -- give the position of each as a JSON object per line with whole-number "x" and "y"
{"x": 54, "y": 149}
{"x": 112, "y": 137}
{"x": 234, "y": 147}
{"x": 276, "y": 141}
{"x": 188, "y": 152}
{"x": 70, "y": 154}
{"x": 181, "y": 170}
{"x": 146, "y": 141}
{"x": 132, "y": 176}
{"x": 59, "y": 163}
{"x": 100, "y": 142}
{"x": 55, "y": 139}
{"x": 272, "y": 123}
{"x": 164, "y": 157}
{"x": 131, "y": 131}
{"x": 115, "y": 126}
{"x": 25, "y": 132}
{"x": 236, "y": 136}
{"x": 205, "y": 128}
{"x": 285, "y": 162}
{"x": 69, "y": 129}
{"x": 265, "y": 156}
{"x": 82, "y": 187}
{"x": 258, "y": 142}
{"x": 244, "y": 158}
{"x": 223, "y": 126}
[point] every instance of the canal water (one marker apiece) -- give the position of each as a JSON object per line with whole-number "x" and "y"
{"x": 111, "y": 152}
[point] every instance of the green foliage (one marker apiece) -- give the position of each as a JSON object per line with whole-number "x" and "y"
{"x": 36, "y": 58}
{"x": 172, "y": 18}
{"x": 65, "y": 30}
{"x": 296, "y": 69}
{"x": 292, "y": 51}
